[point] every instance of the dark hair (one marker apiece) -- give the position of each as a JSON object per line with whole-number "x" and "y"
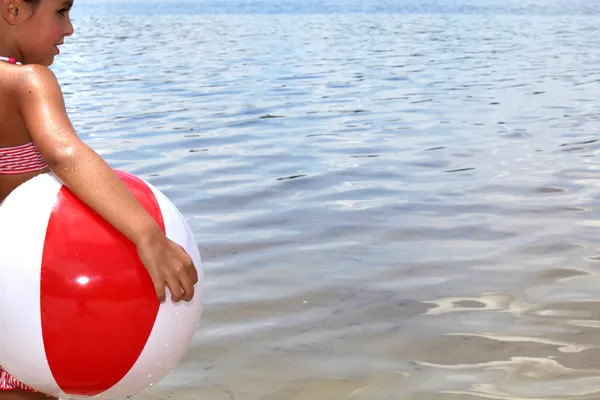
{"x": 33, "y": 3}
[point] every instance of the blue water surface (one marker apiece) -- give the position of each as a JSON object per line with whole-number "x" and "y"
{"x": 486, "y": 7}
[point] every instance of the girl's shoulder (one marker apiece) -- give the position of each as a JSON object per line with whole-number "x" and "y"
{"x": 28, "y": 84}
{"x": 35, "y": 102}
{"x": 22, "y": 79}
{"x": 31, "y": 79}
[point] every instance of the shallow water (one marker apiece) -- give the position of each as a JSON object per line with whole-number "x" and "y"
{"x": 397, "y": 205}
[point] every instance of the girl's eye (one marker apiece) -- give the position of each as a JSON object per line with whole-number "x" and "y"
{"x": 63, "y": 11}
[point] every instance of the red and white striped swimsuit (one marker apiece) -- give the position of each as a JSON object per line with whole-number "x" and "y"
{"x": 7, "y": 382}
{"x": 21, "y": 159}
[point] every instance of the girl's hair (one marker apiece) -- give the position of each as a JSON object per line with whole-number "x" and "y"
{"x": 33, "y": 3}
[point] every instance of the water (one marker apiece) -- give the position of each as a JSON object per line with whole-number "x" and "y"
{"x": 312, "y": 7}
{"x": 393, "y": 200}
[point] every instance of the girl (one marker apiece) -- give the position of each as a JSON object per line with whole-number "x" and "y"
{"x": 37, "y": 137}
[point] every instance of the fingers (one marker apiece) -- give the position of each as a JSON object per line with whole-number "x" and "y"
{"x": 172, "y": 268}
{"x": 181, "y": 281}
{"x": 192, "y": 272}
{"x": 194, "y": 275}
{"x": 159, "y": 288}
{"x": 188, "y": 288}
{"x": 187, "y": 278}
{"x": 189, "y": 267}
{"x": 175, "y": 287}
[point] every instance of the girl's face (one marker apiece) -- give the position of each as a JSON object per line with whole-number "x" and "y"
{"x": 43, "y": 29}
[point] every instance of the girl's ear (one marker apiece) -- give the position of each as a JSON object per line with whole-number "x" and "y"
{"x": 13, "y": 11}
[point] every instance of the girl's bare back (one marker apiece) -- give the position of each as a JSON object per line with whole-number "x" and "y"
{"x": 13, "y": 131}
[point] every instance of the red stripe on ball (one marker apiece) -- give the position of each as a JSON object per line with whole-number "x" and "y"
{"x": 97, "y": 300}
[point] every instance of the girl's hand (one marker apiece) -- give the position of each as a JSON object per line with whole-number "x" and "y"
{"x": 169, "y": 266}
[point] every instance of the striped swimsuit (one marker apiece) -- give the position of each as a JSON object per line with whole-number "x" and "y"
{"x": 7, "y": 382}
{"x": 21, "y": 159}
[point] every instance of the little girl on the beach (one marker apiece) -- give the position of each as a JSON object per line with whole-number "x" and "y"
{"x": 36, "y": 137}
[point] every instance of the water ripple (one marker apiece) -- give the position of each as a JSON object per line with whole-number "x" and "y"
{"x": 388, "y": 204}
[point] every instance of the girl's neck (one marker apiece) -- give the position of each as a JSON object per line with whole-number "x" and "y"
{"x": 8, "y": 49}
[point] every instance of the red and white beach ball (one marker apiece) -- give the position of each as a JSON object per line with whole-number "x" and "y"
{"x": 79, "y": 316}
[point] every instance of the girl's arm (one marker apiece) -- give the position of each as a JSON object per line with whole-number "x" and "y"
{"x": 92, "y": 180}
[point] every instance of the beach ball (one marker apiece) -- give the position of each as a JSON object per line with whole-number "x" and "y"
{"x": 79, "y": 317}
